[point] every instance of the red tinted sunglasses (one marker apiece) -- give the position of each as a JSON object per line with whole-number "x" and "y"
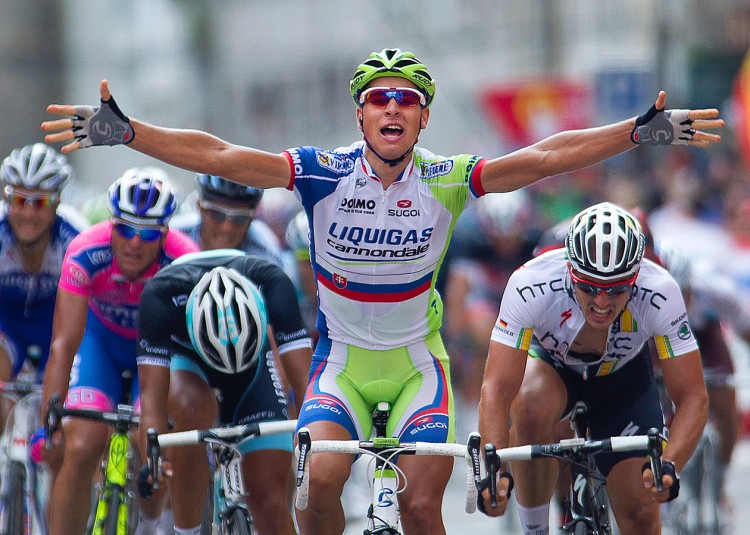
{"x": 35, "y": 200}
{"x": 381, "y": 96}
{"x": 593, "y": 289}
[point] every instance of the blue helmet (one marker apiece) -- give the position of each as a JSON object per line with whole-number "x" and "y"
{"x": 216, "y": 188}
{"x": 143, "y": 195}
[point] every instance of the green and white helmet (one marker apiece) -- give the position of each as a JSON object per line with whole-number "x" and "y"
{"x": 392, "y": 62}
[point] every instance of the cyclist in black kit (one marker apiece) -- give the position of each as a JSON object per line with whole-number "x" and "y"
{"x": 204, "y": 327}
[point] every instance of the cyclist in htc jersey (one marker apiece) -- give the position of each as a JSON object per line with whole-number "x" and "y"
{"x": 186, "y": 315}
{"x": 95, "y": 326}
{"x": 583, "y": 314}
{"x": 34, "y": 233}
{"x": 381, "y": 213}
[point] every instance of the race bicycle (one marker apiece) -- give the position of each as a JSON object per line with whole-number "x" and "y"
{"x": 227, "y": 506}
{"x": 116, "y": 512}
{"x": 387, "y": 479}
{"x": 24, "y": 488}
{"x": 588, "y": 511}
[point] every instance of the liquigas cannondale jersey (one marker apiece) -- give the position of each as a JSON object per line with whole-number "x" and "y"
{"x": 376, "y": 252}
{"x": 539, "y": 300}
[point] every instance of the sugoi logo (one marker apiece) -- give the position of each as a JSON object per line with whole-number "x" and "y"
{"x": 404, "y": 203}
{"x": 423, "y": 420}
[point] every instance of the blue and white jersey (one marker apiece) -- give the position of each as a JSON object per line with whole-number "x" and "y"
{"x": 27, "y": 300}
{"x": 376, "y": 252}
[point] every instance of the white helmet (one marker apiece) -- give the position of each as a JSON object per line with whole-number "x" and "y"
{"x": 605, "y": 242}
{"x": 36, "y": 166}
{"x": 226, "y": 320}
{"x": 143, "y": 195}
{"x": 506, "y": 213}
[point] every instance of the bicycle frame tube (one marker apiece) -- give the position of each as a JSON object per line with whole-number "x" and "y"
{"x": 115, "y": 476}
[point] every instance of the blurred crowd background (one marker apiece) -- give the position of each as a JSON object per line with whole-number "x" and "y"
{"x": 275, "y": 74}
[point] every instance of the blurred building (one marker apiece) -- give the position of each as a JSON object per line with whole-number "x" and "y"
{"x": 275, "y": 74}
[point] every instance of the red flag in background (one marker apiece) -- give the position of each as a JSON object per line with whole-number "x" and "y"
{"x": 526, "y": 112}
{"x": 741, "y": 107}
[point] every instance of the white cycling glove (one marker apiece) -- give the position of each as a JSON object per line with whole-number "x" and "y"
{"x": 105, "y": 125}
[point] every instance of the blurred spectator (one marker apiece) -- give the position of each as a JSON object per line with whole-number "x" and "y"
{"x": 489, "y": 243}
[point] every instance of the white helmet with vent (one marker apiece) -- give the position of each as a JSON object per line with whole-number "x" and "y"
{"x": 226, "y": 320}
{"x": 605, "y": 242}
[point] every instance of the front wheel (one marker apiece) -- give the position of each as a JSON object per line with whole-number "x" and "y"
{"x": 11, "y": 500}
{"x": 238, "y": 523}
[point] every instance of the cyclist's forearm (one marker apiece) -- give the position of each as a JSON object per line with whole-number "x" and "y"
{"x": 685, "y": 432}
{"x": 56, "y": 374}
{"x": 205, "y": 153}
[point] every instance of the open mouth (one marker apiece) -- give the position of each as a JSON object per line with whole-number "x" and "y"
{"x": 391, "y": 131}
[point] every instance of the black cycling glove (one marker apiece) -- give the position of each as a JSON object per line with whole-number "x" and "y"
{"x": 660, "y": 127}
{"x": 142, "y": 485}
{"x": 105, "y": 125}
{"x": 670, "y": 470}
{"x": 485, "y": 484}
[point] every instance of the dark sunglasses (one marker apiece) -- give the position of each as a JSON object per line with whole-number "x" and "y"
{"x": 221, "y": 214}
{"x": 35, "y": 200}
{"x": 128, "y": 231}
{"x": 592, "y": 289}
{"x": 381, "y": 96}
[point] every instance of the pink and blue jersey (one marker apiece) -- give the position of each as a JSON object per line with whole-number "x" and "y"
{"x": 108, "y": 348}
{"x": 89, "y": 269}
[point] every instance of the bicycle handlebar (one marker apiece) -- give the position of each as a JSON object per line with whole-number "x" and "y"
{"x": 492, "y": 467}
{"x": 233, "y": 434}
{"x": 123, "y": 419}
{"x": 649, "y": 444}
{"x": 20, "y": 387}
{"x": 306, "y": 447}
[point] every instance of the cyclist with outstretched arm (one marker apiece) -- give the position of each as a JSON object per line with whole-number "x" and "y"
{"x": 381, "y": 213}
{"x": 574, "y": 325}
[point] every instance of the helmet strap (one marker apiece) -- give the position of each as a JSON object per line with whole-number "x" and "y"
{"x": 392, "y": 162}
{"x": 395, "y": 161}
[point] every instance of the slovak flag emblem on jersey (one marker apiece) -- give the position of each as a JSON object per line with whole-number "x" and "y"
{"x": 339, "y": 280}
